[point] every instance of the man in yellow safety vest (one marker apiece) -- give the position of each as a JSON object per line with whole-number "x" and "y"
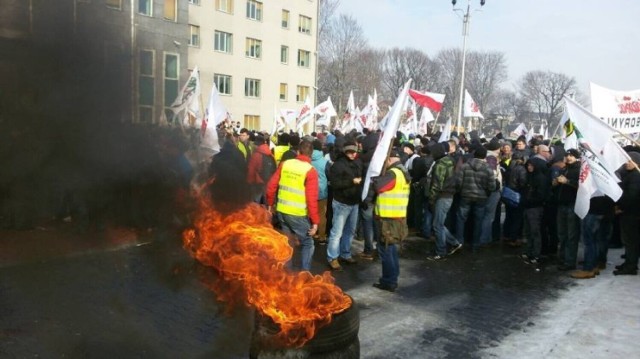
{"x": 296, "y": 184}
{"x": 390, "y": 211}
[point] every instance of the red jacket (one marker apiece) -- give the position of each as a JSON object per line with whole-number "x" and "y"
{"x": 255, "y": 164}
{"x": 310, "y": 189}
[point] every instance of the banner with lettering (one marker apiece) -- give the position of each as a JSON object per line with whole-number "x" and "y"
{"x": 619, "y": 109}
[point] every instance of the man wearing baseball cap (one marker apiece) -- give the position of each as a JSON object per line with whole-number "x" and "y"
{"x": 392, "y": 198}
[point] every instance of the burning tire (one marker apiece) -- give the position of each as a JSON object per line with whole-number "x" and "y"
{"x": 337, "y": 340}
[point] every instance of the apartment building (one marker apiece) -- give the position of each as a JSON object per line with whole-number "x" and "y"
{"x": 260, "y": 54}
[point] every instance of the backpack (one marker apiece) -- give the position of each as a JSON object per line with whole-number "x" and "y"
{"x": 268, "y": 167}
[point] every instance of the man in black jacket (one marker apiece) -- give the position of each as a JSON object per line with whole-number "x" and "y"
{"x": 474, "y": 181}
{"x": 535, "y": 195}
{"x": 345, "y": 176}
{"x": 568, "y": 221}
{"x": 629, "y": 209}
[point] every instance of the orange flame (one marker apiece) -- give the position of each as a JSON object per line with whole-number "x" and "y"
{"x": 249, "y": 256}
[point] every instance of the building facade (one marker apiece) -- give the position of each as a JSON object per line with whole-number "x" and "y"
{"x": 260, "y": 54}
{"x": 121, "y": 56}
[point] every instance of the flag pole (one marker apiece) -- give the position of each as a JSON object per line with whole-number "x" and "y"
{"x": 435, "y": 122}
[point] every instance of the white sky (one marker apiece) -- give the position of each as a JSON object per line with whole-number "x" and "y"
{"x": 591, "y": 40}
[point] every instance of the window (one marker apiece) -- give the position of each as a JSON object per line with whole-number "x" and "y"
{"x": 145, "y": 7}
{"x": 284, "y": 88}
{"x": 171, "y": 10}
{"x": 251, "y": 87}
{"x": 285, "y": 19}
{"x": 194, "y": 39}
{"x": 303, "y": 58}
{"x": 223, "y": 83}
{"x": 194, "y": 2}
{"x": 304, "y": 25}
{"x": 116, "y": 4}
{"x": 253, "y": 48}
{"x": 146, "y": 85}
{"x": 171, "y": 71}
{"x": 223, "y": 42}
{"x": 301, "y": 93}
{"x": 254, "y": 10}
{"x": 284, "y": 54}
{"x": 252, "y": 122}
{"x": 225, "y": 6}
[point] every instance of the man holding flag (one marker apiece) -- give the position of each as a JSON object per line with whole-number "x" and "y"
{"x": 392, "y": 190}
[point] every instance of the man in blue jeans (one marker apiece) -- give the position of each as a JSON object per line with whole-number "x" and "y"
{"x": 345, "y": 176}
{"x": 392, "y": 199}
{"x": 296, "y": 184}
{"x": 475, "y": 181}
{"x": 441, "y": 197}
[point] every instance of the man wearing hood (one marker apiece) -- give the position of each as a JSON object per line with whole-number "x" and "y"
{"x": 345, "y": 176}
{"x": 392, "y": 190}
{"x": 475, "y": 181}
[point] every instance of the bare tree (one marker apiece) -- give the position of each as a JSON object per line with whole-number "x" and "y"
{"x": 327, "y": 9}
{"x": 339, "y": 56}
{"x": 401, "y": 65}
{"x": 448, "y": 63}
{"x": 544, "y": 92}
{"x": 484, "y": 73}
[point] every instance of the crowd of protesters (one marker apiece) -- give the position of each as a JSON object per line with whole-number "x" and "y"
{"x": 459, "y": 197}
{"x": 460, "y": 191}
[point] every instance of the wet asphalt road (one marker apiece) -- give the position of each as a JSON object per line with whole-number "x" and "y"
{"x": 150, "y": 302}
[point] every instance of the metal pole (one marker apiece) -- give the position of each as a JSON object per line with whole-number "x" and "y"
{"x": 132, "y": 49}
{"x": 465, "y": 33}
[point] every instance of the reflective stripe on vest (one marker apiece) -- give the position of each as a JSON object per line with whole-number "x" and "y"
{"x": 393, "y": 203}
{"x": 291, "y": 194}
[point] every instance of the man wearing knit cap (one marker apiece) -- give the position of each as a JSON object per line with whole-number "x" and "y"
{"x": 345, "y": 177}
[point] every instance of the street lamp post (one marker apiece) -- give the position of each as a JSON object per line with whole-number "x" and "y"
{"x": 466, "y": 17}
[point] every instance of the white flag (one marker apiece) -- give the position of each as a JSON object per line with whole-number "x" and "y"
{"x": 278, "y": 123}
{"x": 380, "y": 154}
{"x": 289, "y": 116}
{"x": 425, "y": 118}
{"x": 446, "y": 132}
{"x": 530, "y": 134}
{"x": 351, "y": 104}
{"x": 594, "y": 181}
{"x": 189, "y": 95}
{"x": 521, "y": 130}
{"x": 597, "y": 136}
{"x": 326, "y": 111}
{"x": 471, "y": 108}
{"x": 214, "y": 115}
{"x": 306, "y": 113}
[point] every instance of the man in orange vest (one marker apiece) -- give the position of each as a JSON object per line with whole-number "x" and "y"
{"x": 390, "y": 211}
{"x": 296, "y": 185}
